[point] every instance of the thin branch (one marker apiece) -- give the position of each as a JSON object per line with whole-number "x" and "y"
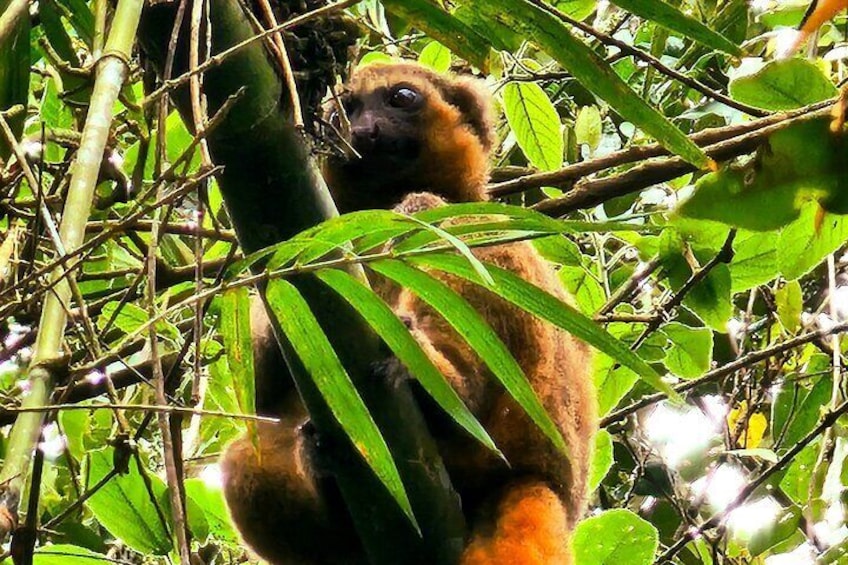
{"x": 725, "y": 255}
{"x": 519, "y": 179}
{"x": 728, "y": 369}
{"x": 718, "y": 518}
{"x": 588, "y": 194}
{"x": 651, "y": 60}
{"x": 217, "y": 59}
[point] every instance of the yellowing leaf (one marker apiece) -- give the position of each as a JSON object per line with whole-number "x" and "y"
{"x": 755, "y": 427}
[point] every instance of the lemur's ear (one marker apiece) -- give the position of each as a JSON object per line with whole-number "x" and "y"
{"x": 471, "y": 96}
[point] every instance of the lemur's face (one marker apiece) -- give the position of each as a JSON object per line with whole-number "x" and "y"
{"x": 402, "y": 123}
{"x": 384, "y": 124}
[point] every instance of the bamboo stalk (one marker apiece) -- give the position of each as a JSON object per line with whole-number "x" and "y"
{"x": 111, "y": 72}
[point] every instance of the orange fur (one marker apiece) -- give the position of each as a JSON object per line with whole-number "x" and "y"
{"x": 522, "y": 513}
{"x": 531, "y": 528}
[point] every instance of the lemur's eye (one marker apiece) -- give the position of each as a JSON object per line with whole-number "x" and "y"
{"x": 403, "y": 97}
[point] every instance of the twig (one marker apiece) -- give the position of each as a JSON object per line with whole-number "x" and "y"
{"x": 220, "y": 57}
{"x": 725, "y": 255}
{"x": 724, "y": 371}
{"x": 716, "y": 519}
{"x": 523, "y": 179}
{"x": 588, "y": 194}
{"x": 154, "y": 408}
{"x": 623, "y": 292}
{"x": 651, "y": 60}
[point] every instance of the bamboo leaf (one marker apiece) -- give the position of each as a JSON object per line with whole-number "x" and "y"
{"x": 315, "y": 352}
{"x": 671, "y": 18}
{"x": 238, "y": 341}
{"x": 471, "y": 326}
{"x": 593, "y": 72}
{"x": 443, "y": 27}
{"x": 391, "y": 330}
{"x": 514, "y": 289}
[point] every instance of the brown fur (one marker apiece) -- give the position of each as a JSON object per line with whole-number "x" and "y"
{"x": 522, "y": 513}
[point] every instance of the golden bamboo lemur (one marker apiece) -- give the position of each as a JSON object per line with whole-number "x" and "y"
{"x": 423, "y": 139}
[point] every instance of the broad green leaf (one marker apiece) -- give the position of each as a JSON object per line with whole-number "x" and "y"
{"x": 124, "y": 507}
{"x": 436, "y": 56}
{"x": 210, "y": 500}
{"x": 75, "y": 424}
{"x": 131, "y": 317}
{"x": 602, "y": 458}
{"x": 536, "y": 301}
{"x": 593, "y": 72}
{"x": 577, "y": 9}
{"x": 80, "y": 16}
{"x": 615, "y": 537}
{"x": 796, "y": 480}
{"x": 673, "y": 19}
{"x": 710, "y": 299}
{"x": 588, "y": 127}
{"x": 472, "y": 327}
{"x": 50, "y": 15}
{"x": 444, "y": 28}
{"x": 793, "y": 390}
{"x": 754, "y": 259}
{"x": 783, "y": 85}
{"x": 374, "y": 57}
{"x": 536, "y": 124}
{"x": 66, "y": 554}
{"x": 387, "y": 325}
{"x": 316, "y": 353}
{"x": 691, "y": 350}
{"x": 585, "y": 288}
{"x": 612, "y": 382}
{"x": 196, "y": 518}
{"x": 790, "y": 304}
{"x": 802, "y": 162}
{"x": 558, "y": 249}
{"x": 802, "y": 246}
{"x": 238, "y": 341}
{"x": 797, "y": 411}
{"x": 777, "y": 531}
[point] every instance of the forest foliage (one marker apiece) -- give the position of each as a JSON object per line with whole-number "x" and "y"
{"x": 687, "y": 182}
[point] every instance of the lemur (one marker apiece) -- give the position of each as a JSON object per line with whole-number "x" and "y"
{"x": 422, "y": 139}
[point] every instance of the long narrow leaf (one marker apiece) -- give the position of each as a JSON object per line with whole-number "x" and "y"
{"x": 518, "y": 212}
{"x": 238, "y": 341}
{"x": 315, "y": 351}
{"x": 514, "y": 289}
{"x": 671, "y": 18}
{"x": 471, "y": 326}
{"x": 459, "y": 245}
{"x": 593, "y": 72}
{"x": 444, "y": 27}
{"x": 391, "y": 330}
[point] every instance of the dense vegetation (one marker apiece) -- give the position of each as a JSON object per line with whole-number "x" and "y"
{"x": 689, "y": 185}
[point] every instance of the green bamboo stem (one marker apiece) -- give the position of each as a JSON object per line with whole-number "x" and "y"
{"x": 111, "y": 72}
{"x": 273, "y": 190}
